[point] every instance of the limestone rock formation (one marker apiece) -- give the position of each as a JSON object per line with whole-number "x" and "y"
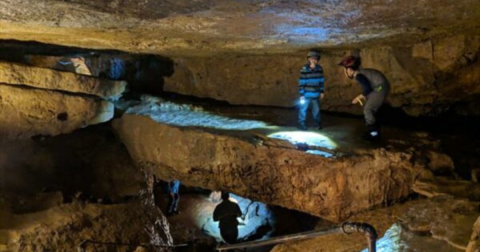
{"x": 41, "y": 78}
{"x": 474, "y": 244}
{"x": 442, "y": 186}
{"x": 330, "y": 188}
{"x": 27, "y": 112}
{"x": 426, "y": 225}
{"x": 88, "y": 163}
{"x": 72, "y": 227}
{"x": 426, "y": 78}
{"x": 61, "y": 191}
{"x": 445, "y": 219}
{"x": 211, "y": 27}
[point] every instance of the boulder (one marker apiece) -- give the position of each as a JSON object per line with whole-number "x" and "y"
{"x": 90, "y": 227}
{"x": 42, "y": 78}
{"x": 26, "y": 112}
{"x": 330, "y": 188}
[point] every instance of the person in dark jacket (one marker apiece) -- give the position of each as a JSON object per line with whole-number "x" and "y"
{"x": 375, "y": 88}
{"x": 226, "y": 214}
{"x": 311, "y": 87}
{"x": 173, "y": 189}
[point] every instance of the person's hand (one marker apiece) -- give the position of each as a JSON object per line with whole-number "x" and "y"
{"x": 321, "y": 96}
{"x": 358, "y": 99}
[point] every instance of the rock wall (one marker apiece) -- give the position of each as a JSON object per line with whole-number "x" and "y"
{"x": 89, "y": 163}
{"x": 41, "y": 101}
{"x": 42, "y": 78}
{"x": 78, "y": 227}
{"x": 26, "y": 112}
{"x": 62, "y": 191}
{"x": 330, "y": 188}
{"x": 427, "y": 78}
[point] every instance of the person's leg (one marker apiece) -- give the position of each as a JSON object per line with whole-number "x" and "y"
{"x": 316, "y": 112}
{"x": 229, "y": 234}
{"x": 175, "y": 204}
{"x": 171, "y": 203}
{"x": 374, "y": 102}
{"x": 302, "y": 114}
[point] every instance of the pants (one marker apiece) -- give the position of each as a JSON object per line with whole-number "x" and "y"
{"x": 374, "y": 102}
{"x": 173, "y": 203}
{"x": 303, "y": 108}
{"x": 229, "y": 234}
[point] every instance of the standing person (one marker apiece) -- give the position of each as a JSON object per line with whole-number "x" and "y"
{"x": 375, "y": 88}
{"x": 226, "y": 213}
{"x": 173, "y": 191}
{"x": 311, "y": 86}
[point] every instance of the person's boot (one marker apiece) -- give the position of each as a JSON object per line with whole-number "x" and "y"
{"x": 319, "y": 127}
{"x": 372, "y": 134}
{"x": 302, "y": 127}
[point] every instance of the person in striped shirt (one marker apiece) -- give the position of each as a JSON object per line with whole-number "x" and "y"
{"x": 311, "y": 86}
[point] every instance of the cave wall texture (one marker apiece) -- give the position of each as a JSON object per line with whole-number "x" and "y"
{"x": 427, "y": 78}
{"x": 64, "y": 189}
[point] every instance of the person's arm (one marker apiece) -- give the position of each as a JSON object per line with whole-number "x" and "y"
{"x": 302, "y": 81}
{"x": 366, "y": 89}
{"x": 322, "y": 84}
{"x": 364, "y": 83}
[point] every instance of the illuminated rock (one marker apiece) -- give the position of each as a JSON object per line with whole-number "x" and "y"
{"x": 42, "y": 78}
{"x": 27, "y": 112}
{"x": 263, "y": 170}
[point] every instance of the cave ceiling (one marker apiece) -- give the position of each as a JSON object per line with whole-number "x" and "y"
{"x": 212, "y": 27}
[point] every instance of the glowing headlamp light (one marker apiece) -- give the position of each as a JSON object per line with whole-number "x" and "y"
{"x": 302, "y": 100}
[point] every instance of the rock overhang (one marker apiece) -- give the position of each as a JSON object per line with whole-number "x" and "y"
{"x": 200, "y": 28}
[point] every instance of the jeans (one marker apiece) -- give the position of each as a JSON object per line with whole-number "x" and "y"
{"x": 173, "y": 203}
{"x": 303, "y": 108}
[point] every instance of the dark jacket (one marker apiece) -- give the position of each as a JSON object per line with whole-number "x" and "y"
{"x": 227, "y": 213}
{"x": 372, "y": 80}
{"x": 311, "y": 81}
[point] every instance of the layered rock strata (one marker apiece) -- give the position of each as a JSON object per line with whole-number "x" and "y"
{"x": 267, "y": 171}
